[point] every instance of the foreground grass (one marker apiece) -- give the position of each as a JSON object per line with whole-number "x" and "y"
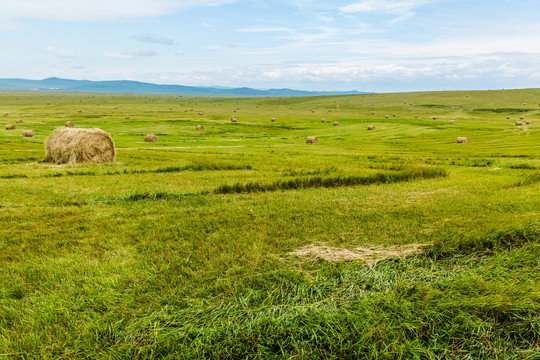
{"x": 181, "y": 249}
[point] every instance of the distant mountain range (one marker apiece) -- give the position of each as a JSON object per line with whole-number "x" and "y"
{"x": 54, "y": 84}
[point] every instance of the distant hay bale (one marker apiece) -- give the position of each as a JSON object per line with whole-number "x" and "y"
{"x": 410, "y": 109}
{"x": 522, "y": 118}
{"x": 311, "y": 140}
{"x": 6, "y": 114}
{"x": 434, "y": 118}
{"x": 416, "y": 116}
{"x": 69, "y": 124}
{"x": 373, "y": 113}
{"x": 386, "y": 116}
{"x": 200, "y": 127}
{"x": 127, "y": 117}
{"x": 10, "y": 127}
{"x": 28, "y": 133}
{"x": 329, "y": 110}
{"x": 461, "y": 140}
{"x": 233, "y": 118}
{"x": 323, "y": 120}
{"x": 73, "y": 145}
{"x": 79, "y": 111}
{"x": 394, "y": 115}
{"x": 519, "y": 123}
{"x": 336, "y": 123}
{"x": 150, "y": 138}
{"x": 371, "y": 127}
{"x": 528, "y": 122}
{"x": 524, "y": 104}
{"x": 273, "y": 119}
{"x": 19, "y": 121}
{"x": 337, "y": 106}
{"x": 452, "y": 122}
{"x": 508, "y": 118}
{"x": 201, "y": 113}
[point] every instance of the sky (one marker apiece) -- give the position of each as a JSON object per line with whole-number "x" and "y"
{"x": 364, "y": 45}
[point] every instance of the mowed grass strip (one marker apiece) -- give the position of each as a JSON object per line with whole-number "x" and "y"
{"x": 335, "y": 181}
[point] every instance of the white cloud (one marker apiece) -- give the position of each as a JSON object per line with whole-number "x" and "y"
{"x": 402, "y": 9}
{"x": 265, "y": 29}
{"x": 113, "y": 55}
{"x": 153, "y": 39}
{"x": 64, "y": 53}
{"x": 97, "y": 10}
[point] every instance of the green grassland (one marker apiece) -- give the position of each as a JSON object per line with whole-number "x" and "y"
{"x": 182, "y": 248}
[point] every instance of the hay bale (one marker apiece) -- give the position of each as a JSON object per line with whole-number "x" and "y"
{"x": 10, "y": 127}
{"x": 508, "y": 118}
{"x": 127, "y": 117}
{"x": 371, "y": 127}
{"x": 79, "y": 111}
{"x": 19, "y": 121}
{"x": 528, "y": 122}
{"x": 273, "y": 119}
{"x": 233, "y": 118}
{"x": 28, "y": 133}
{"x": 461, "y": 140}
{"x": 394, "y": 115}
{"x": 201, "y": 113}
{"x": 323, "y": 120}
{"x": 311, "y": 140}
{"x": 519, "y": 123}
{"x": 73, "y": 145}
{"x": 522, "y": 118}
{"x": 452, "y": 122}
{"x": 69, "y": 124}
{"x": 410, "y": 109}
{"x": 150, "y": 138}
{"x": 524, "y": 104}
{"x": 386, "y": 116}
{"x": 373, "y": 113}
{"x": 434, "y": 118}
{"x": 200, "y": 127}
{"x": 336, "y": 123}
{"x": 416, "y": 116}
{"x": 6, "y": 114}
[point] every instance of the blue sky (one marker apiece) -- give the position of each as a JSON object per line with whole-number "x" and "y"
{"x": 366, "y": 45}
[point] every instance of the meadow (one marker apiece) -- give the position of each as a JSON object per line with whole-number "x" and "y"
{"x": 242, "y": 241}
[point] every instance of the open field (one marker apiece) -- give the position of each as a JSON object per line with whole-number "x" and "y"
{"x": 192, "y": 247}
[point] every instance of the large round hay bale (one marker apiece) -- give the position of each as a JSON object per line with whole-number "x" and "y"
{"x": 386, "y": 116}
{"x": 416, "y": 116}
{"x": 371, "y": 127}
{"x": 10, "y": 127}
{"x": 528, "y": 122}
{"x": 461, "y": 140}
{"x": 233, "y": 118}
{"x": 150, "y": 138}
{"x": 200, "y": 127}
{"x": 6, "y": 114}
{"x": 19, "y": 121}
{"x": 201, "y": 113}
{"x": 69, "y": 124}
{"x": 323, "y": 120}
{"x": 522, "y": 118}
{"x": 311, "y": 140}
{"x": 434, "y": 118}
{"x": 394, "y": 115}
{"x": 452, "y": 122}
{"x": 28, "y": 133}
{"x": 273, "y": 119}
{"x": 519, "y": 123}
{"x": 336, "y": 123}
{"x": 508, "y": 118}
{"x": 72, "y": 145}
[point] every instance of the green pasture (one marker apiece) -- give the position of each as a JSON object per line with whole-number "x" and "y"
{"x": 182, "y": 248}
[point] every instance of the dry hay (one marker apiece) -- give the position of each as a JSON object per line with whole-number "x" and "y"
{"x": 519, "y": 123}
{"x": 410, "y": 109}
{"x": 10, "y": 127}
{"x": 336, "y": 123}
{"x": 79, "y": 111}
{"x": 416, "y": 116}
{"x": 201, "y": 113}
{"x": 69, "y": 124}
{"x": 369, "y": 255}
{"x": 127, "y": 117}
{"x": 323, "y": 120}
{"x": 6, "y": 114}
{"x": 373, "y": 113}
{"x": 73, "y": 145}
{"x": 371, "y": 127}
{"x": 150, "y": 138}
{"x": 311, "y": 140}
{"x": 394, "y": 115}
{"x": 434, "y": 118}
{"x": 508, "y": 118}
{"x": 528, "y": 122}
{"x": 386, "y": 116}
{"x": 233, "y": 118}
{"x": 524, "y": 104}
{"x": 273, "y": 119}
{"x": 19, "y": 121}
{"x": 451, "y": 122}
{"x": 522, "y": 118}
{"x": 200, "y": 127}
{"x": 28, "y": 133}
{"x": 461, "y": 140}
